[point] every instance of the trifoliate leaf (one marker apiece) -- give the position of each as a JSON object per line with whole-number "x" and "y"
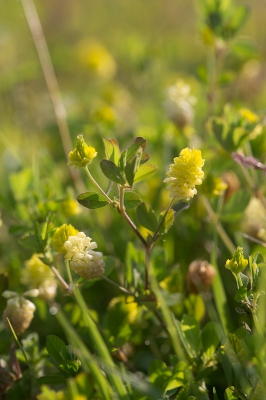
{"x": 92, "y": 200}
{"x": 112, "y": 172}
{"x": 145, "y": 172}
{"x": 147, "y": 217}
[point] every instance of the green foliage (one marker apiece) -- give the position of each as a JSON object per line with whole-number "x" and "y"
{"x": 63, "y": 358}
{"x": 139, "y": 330}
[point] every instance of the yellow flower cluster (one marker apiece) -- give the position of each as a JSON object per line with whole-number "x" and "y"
{"x": 185, "y": 174}
{"x": 82, "y": 154}
{"x": 97, "y": 58}
{"x": 38, "y": 275}
{"x": 238, "y": 262}
{"x": 61, "y": 235}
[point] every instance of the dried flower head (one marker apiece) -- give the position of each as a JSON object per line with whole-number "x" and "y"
{"x": 83, "y": 259}
{"x": 179, "y": 104}
{"x": 184, "y": 174}
{"x": 82, "y": 154}
{"x": 39, "y": 275}
{"x": 200, "y": 276}
{"x": 19, "y": 310}
{"x": 61, "y": 235}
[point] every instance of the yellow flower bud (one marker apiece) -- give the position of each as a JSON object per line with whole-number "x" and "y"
{"x": 238, "y": 262}
{"x": 82, "y": 155}
{"x": 185, "y": 173}
{"x": 61, "y": 235}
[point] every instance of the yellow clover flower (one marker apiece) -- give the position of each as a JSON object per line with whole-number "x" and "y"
{"x": 39, "y": 275}
{"x": 184, "y": 174}
{"x": 213, "y": 185}
{"x": 82, "y": 155}
{"x": 238, "y": 262}
{"x": 61, "y": 235}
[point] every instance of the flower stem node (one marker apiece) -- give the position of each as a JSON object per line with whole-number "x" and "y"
{"x": 86, "y": 262}
{"x": 82, "y": 155}
{"x": 238, "y": 263}
{"x": 185, "y": 174}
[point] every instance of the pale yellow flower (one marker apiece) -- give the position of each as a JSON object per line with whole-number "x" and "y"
{"x": 179, "y": 104}
{"x": 40, "y": 276}
{"x": 185, "y": 174}
{"x": 83, "y": 259}
{"x": 19, "y": 310}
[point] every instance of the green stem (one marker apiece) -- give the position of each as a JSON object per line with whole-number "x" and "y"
{"x": 123, "y": 213}
{"x": 256, "y": 322}
{"x": 147, "y": 267}
{"x": 87, "y": 359}
{"x": 98, "y": 186}
{"x": 156, "y": 235}
{"x": 69, "y": 274}
{"x": 101, "y": 346}
{"x": 118, "y": 286}
{"x": 223, "y": 235}
{"x": 18, "y": 342}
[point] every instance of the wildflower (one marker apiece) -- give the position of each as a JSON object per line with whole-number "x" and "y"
{"x": 200, "y": 276}
{"x": 179, "y": 104}
{"x": 82, "y": 154}
{"x": 39, "y": 275}
{"x": 70, "y": 207}
{"x": 97, "y": 58}
{"x": 19, "y": 310}
{"x": 61, "y": 235}
{"x": 84, "y": 260}
{"x": 213, "y": 186}
{"x": 184, "y": 174}
{"x": 47, "y": 393}
{"x": 248, "y": 115}
{"x": 238, "y": 262}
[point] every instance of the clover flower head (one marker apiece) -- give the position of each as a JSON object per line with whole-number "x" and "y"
{"x": 179, "y": 104}
{"x": 238, "y": 262}
{"x": 83, "y": 259}
{"x": 19, "y": 310}
{"x": 213, "y": 185}
{"x": 185, "y": 174}
{"x": 70, "y": 207}
{"x": 61, "y": 235}
{"x": 82, "y": 155}
{"x": 39, "y": 275}
{"x": 97, "y": 59}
